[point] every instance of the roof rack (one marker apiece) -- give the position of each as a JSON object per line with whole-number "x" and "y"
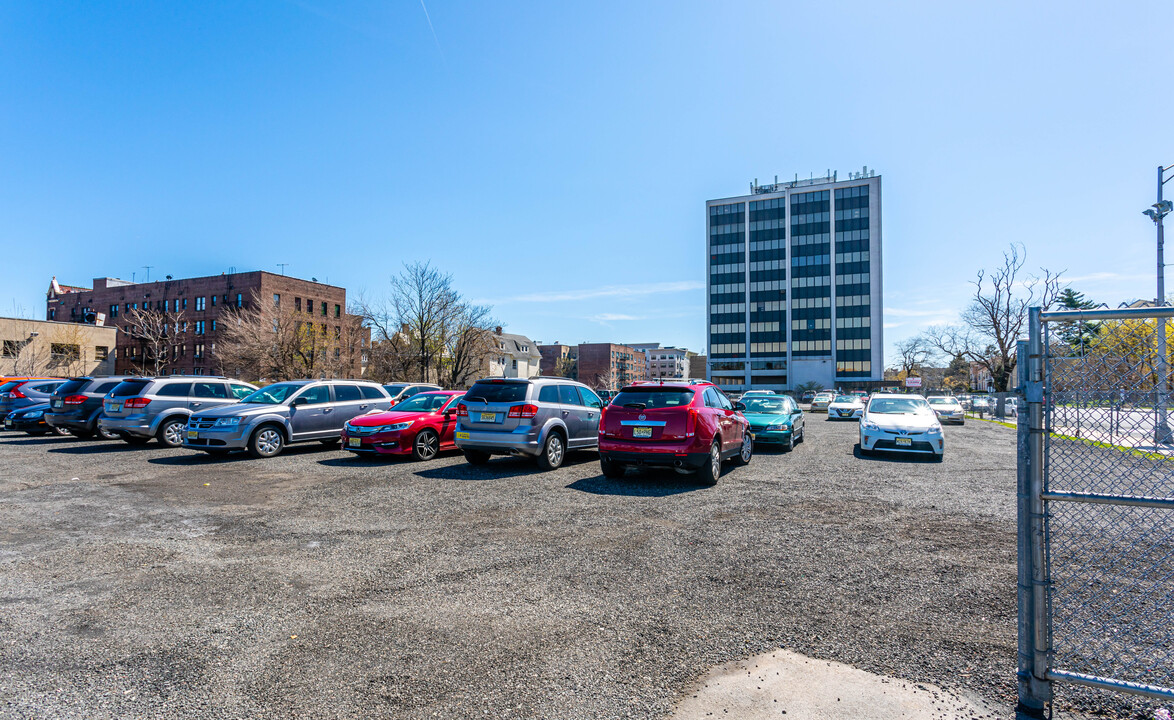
{"x": 672, "y": 381}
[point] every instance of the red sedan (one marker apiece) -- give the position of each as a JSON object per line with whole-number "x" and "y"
{"x": 420, "y": 426}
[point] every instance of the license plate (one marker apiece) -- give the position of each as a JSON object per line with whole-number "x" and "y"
{"x": 488, "y": 417}
{"x": 193, "y": 434}
{"x": 8, "y": 423}
{"x": 642, "y": 432}
{"x": 115, "y": 406}
{"x": 462, "y": 436}
{"x": 904, "y": 442}
{"x": 753, "y": 436}
{"x": 354, "y": 442}
{"x": 58, "y": 404}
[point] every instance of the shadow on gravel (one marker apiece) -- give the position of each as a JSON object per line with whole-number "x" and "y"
{"x": 38, "y": 440}
{"x": 198, "y": 457}
{"x": 640, "y": 483}
{"x": 93, "y": 447}
{"x": 501, "y": 467}
{"x": 893, "y": 457}
{"x": 362, "y": 459}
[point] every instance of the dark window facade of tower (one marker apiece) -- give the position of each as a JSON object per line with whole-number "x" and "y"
{"x": 768, "y": 279}
{"x": 727, "y": 280}
{"x": 811, "y": 331}
{"x": 853, "y": 283}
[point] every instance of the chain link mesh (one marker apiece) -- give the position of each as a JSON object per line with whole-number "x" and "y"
{"x": 1111, "y": 566}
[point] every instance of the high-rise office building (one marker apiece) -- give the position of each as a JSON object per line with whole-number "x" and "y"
{"x": 794, "y": 284}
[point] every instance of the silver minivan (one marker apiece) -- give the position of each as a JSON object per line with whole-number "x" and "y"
{"x": 138, "y": 409}
{"x": 282, "y": 413}
{"x": 540, "y": 417}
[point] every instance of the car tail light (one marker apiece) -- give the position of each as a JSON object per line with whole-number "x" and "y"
{"x": 523, "y": 411}
{"x": 136, "y": 403}
{"x": 14, "y": 394}
{"x": 74, "y": 399}
{"x": 691, "y": 423}
{"x": 462, "y": 410}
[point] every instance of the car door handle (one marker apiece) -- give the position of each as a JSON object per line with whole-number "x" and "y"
{"x": 362, "y": 407}
{"x": 566, "y": 412}
{"x": 326, "y": 410}
{"x": 196, "y": 404}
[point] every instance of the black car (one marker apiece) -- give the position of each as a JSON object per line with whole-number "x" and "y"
{"x": 76, "y": 405}
{"x": 31, "y": 420}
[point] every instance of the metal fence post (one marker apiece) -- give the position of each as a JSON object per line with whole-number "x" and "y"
{"x": 1034, "y": 392}
{"x": 1030, "y": 706}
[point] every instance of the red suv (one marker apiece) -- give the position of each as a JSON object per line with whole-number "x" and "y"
{"x": 688, "y": 425}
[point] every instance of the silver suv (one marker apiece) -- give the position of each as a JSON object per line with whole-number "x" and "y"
{"x": 287, "y": 412}
{"x": 139, "y": 409}
{"x": 540, "y": 418}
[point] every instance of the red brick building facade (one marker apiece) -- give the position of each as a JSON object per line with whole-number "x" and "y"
{"x": 199, "y": 304}
{"x": 606, "y": 366}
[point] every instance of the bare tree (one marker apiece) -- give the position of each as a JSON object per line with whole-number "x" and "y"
{"x": 997, "y": 316}
{"x": 30, "y": 353}
{"x": 915, "y": 352}
{"x": 468, "y": 339}
{"x": 154, "y": 331}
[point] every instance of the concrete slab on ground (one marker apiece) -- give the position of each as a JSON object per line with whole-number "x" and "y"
{"x": 782, "y": 683}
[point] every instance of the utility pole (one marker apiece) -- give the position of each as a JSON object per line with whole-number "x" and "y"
{"x": 1157, "y": 212}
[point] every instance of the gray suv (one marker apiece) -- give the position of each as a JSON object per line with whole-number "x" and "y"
{"x": 76, "y": 405}
{"x": 143, "y": 408}
{"x": 540, "y": 418}
{"x": 287, "y": 412}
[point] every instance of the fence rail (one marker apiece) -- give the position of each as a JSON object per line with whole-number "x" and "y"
{"x": 1096, "y": 487}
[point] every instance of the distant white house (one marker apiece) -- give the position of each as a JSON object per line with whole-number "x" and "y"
{"x": 516, "y": 356}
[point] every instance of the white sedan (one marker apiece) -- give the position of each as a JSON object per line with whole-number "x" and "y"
{"x": 846, "y": 407}
{"x": 948, "y": 409}
{"x": 901, "y": 424}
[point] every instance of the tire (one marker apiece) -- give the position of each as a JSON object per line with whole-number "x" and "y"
{"x": 712, "y": 470}
{"x": 426, "y": 445}
{"x": 554, "y": 451}
{"x": 108, "y": 435}
{"x": 802, "y": 434}
{"x": 745, "y": 452}
{"x": 170, "y": 432}
{"x": 58, "y": 431}
{"x": 611, "y": 470}
{"x": 134, "y": 439}
{"x": 476, "y": 457}
{"x": 266, "y": 441}
{"x": 790, "y": 443}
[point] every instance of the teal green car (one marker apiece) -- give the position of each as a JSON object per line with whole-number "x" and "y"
{"x": 774, "y": 420}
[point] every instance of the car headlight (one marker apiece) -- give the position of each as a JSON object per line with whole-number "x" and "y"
{"x": 227, "y": 422}
{"x": 396, "y": 427}
{"x": 777, "y": 426}
{"x": 35, "y": 414}
{"x": 870, "y": 425}
{"x": 935, "y": 430}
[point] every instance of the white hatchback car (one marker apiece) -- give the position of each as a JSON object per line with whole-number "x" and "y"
{"x": 846, "y": 407}
{"x": 901, "y": 424}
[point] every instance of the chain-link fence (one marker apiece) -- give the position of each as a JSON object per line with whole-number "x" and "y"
{"x": 1096, "y": 494}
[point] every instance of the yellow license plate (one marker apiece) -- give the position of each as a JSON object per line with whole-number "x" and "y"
{"x": 642, "y": 432}
{"x": 354, "y": 442}
{"x": 462, "y": 436}
{"x": 488, "y": 417}
{"x": 192, "y": 434}
{"x": 904, "y": 442}
{"x": 753, "y": 436}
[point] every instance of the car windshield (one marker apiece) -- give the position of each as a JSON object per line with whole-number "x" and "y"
{"x": 491, "y": 392}
{"x": 424, "y": 402}
{"x": 651, "y": 398}
{"x": 765, "y": 405}
{"x": 942, "y": 401}
{"x": 845, "y": 398}
{"x": 897, "y": 406}
{"x": 274, "y": 394}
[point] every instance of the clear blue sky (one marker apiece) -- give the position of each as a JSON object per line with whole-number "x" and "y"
{"x": 556, "y": 157}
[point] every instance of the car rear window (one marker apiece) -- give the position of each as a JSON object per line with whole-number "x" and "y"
{"x": 346, "y": 393}
{"x": 179, "y": 389}
{"x": 71, "y": 386}
{"x": 653, "y": 397}
{"x": 371, "y": 393}
{"x": 45, "y": 387}
{"x": 128, "y": 388}
{"x": 11, "y": 384}
{"x": 103, "y": 387}
{"x": 497, "y": 392}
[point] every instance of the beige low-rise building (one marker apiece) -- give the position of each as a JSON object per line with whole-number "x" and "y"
{"x": 56, "y": 349}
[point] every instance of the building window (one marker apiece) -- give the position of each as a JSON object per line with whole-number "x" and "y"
{"x": 11, "y": 349}
{"x": 185, "y": 303}
{"x": 214, "y": 300}
{"x": 239, "y": 300}
{"x": 198, "y": 353}
{"x": 323, "y": 308}
{"x": 276, "y": 299}
{"x": 114, "y": 310}
{"x": 101, "y": 352}
{"x": 338, "y": 311}
{"x": 53, "y": 314}
{"x": 297, "y": 304}
{"x": 199, "y": 303}
{"x": 63, "y": 353}
{"x": 198, "y": 371}
{"x": 199, "y": 327}
{"x": 213, "y": 326}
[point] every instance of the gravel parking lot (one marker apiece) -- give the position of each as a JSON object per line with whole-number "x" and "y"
{"x": 143, "y": 582}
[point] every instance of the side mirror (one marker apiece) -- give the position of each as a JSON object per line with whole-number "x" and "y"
{"x": 739, "y": 406}
{"x": 796, "y": 411}
{"x": 298, "y": 401}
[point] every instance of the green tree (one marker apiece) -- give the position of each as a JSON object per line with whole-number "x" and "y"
{"x": 1079, "y": 335}
{"x": 957, "y": 374}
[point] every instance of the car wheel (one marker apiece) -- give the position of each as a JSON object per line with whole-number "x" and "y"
{"x": 426, "y": 445}
{"x": 107, "y": 434}
{"x": 746, "y": 451}
{"x": 712, "y": 469}
{"x": 59, "y": 431}
{"x": 134, "y": 439}
{"x": 790, "y": 443}
{"x": 170, "y": 433}
{"x": 611, "y": 469}
{"x": 266, "y": 442}
{"x": 553, "y": 452}
{"x": 476, "y": 457}
{"x": 802, "y": 434}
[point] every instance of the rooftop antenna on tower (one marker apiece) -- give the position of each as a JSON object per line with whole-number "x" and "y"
{"x": 148, "y": 269}
{"x": 283, "y": 266}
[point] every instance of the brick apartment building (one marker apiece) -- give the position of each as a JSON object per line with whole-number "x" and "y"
{"x": 199, "y": 303}
{"x": 552, "y": 355}
{"x": 607, "y": 366}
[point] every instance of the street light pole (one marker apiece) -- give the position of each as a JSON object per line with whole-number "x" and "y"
{"x": 1156, "y": 213}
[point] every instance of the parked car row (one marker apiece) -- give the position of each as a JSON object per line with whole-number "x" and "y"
{"x": 690, "y": 426}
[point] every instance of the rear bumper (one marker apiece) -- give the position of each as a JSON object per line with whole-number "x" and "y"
{"x": 130, "y": 426}
{"x": 70, "y": 421}
{"x": 523, "y": 441}
{"x": 689, "y": 461}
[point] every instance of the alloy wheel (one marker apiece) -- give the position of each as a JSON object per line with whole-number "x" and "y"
{"x": 173, "y": 433}
{"x": 554, "y": 451}
{"x": 427, "y": 445}
{"x": 747, "y": 448}
{"x": 715, "y": 459}
{"x": 268, "y": 441}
